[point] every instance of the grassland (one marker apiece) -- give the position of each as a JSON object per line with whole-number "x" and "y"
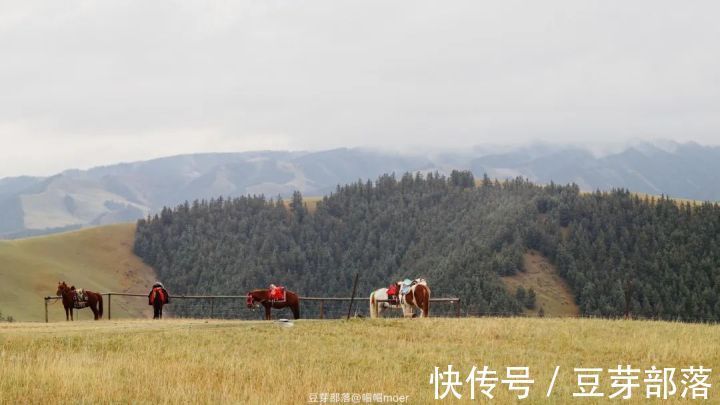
{"x": 553, "y": 293}
{"x": 311, "y": 202}
{"x": 197, "y": 361}
{"x": 97, "y": 259}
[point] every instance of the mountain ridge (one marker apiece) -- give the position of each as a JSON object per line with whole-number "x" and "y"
{"x": 74, "y": 198}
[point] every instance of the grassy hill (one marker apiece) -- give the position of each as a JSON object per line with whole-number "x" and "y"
{"x": 197, "y": 361}
{"x": 553, "y": 293}
{"x": 97, "y": 259}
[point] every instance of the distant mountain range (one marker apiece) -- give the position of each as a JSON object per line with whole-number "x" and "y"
{"x": 125, "y": 192}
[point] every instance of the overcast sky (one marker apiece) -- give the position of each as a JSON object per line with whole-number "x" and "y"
{"x": 84, "y": 83}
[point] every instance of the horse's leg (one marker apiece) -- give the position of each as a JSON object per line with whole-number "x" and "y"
{"x": 67, "y": 315}
{"x": 93, "y": 307}
{"x": 161, "y": 305}
{"x": 416, "y": 303}
{"x": 267, "y": 312}
{"x": 426, "y": 306}
{"x": 407, "y": 307}
{"x": 72, "y": 317}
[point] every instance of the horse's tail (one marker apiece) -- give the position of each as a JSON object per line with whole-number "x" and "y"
{"x": 373, "y": 306}
{"x": 100, "y": 306}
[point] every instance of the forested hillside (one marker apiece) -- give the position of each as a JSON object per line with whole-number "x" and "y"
{"x": 620, "y": 253}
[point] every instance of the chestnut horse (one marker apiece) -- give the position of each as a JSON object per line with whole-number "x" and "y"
{"x": 417, "y": 297}
{"x": 262, "y": 297}
{"x": 94, "y": 301}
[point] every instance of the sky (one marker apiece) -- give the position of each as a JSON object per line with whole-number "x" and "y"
{"x": 85, "y": 83}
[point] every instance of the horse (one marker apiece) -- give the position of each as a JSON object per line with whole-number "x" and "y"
{"x": 377, "y": 308}
{"x": 417, "y": 297}
{"x": 262, "y": 297}
{"x": 157, "y": 298}
{"x": 94, "y": 301}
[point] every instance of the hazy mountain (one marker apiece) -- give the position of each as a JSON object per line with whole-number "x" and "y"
{"x": 128, "y": 191}
{"x": 125, "y": 192}
{"x": 678, "y": 170}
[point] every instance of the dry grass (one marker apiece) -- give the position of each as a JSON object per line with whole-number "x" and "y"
{"x": 553, "y": 293}
{"x": 311, "y": 202}
{"x": 196, "y": 361}
{"x": 97, "y": 259}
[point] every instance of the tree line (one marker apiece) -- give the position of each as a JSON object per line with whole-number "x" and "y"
{"x": 620, "y": 253}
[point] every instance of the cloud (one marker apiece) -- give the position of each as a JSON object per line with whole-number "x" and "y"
{"x": 82, "y": 77}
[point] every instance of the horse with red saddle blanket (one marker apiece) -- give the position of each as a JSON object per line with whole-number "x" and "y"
{"x": 157, "y": 298}
{"x": 274, "y": 297}
{"x": 73, "y": 298}
{"x": 407, "y": 294}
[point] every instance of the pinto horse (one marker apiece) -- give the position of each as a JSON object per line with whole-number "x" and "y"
{"x": 376, "y": 307}
{"x": 94, "y": 301}
{"x": 262, "y": 297}
{"x": 417, "y": 297}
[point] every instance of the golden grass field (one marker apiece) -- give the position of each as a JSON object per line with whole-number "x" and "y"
{"x": 553, "y": 293}
{"x": 311, "y": 202}
{"x": 257, "y": 362}
{"x": 98, "y": 259}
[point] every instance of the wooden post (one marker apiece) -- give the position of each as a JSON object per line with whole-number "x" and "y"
{"x": 46, "y": 311}
{"x": 457, "y": 307}
{"x": 352, "y": 297}
{"x": 322, "y": 309}
{"x": 109, "y": 306}
{"x": 212, "y": 307}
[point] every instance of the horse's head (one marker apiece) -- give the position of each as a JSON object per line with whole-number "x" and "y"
{"x": 61, "y": 288}
{"x": 251, "y": 300}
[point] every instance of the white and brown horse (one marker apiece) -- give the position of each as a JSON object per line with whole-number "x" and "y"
{"x": 417, "y": 297}
{"x": 379, "y": 302}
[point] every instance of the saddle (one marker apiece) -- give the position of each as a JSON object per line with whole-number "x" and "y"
{"x": 406, "y": 285}
{"x": 276, "y": 293}
{"x": 396, "y": 291}
{"x": 80, "y": 299}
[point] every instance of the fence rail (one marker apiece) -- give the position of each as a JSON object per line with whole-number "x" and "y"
{"x": 212, "y": 298}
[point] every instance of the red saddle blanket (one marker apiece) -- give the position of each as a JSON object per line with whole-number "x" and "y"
{"x": 155, "y": 293}
{"x": 277, "y": 294}
{"x": 392, "y": 293}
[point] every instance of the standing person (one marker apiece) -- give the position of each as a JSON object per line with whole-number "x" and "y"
{"x": 157, "y": 298}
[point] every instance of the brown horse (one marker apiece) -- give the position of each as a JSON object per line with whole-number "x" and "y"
{"x": 94, "y": 301}
{"x": 262, "y": 297}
